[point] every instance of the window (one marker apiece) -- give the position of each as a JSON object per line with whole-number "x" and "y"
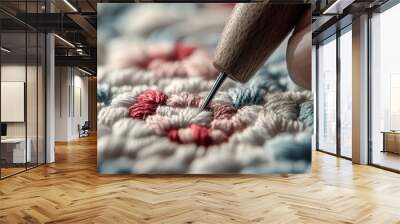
{"x": 385, "y": 89}
{"x": 346, "y": 92}
{"x": 327, "y": 96}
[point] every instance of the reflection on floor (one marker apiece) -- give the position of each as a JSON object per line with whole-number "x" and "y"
{"x": 346, "y": 152}
{"x": 387, "y": 159}
{"x": 10, "y": 169}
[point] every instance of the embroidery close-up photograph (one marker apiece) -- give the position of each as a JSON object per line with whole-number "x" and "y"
{"x": 131, "y": 111}
{"x": 204, "y": 88}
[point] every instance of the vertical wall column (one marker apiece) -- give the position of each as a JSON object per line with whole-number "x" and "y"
{"x": 50, "y": 92}
{"x": 314, "y": 91}
{"x": 92, "y": 100}
{"x": 50, "y": 98}
{"x": 360, "y": 90}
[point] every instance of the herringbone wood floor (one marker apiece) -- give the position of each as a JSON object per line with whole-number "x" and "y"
{"x": 70, "y": 191}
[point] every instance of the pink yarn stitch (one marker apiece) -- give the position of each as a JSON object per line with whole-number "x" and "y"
{"x": 197, "y": 64}
{"x": 226, "y": 120}
{"x": 222, "y": 111}
{"x": 147, "y": 103}
{"x": 228, "y": 126}
{"x": 167, "y": 60}
{"x": 217, "y": 136}
{"x": 152, "y": 97}
{"x": 174, "y": 135}
{"x": 160, "y": 123}
{"x": 183, "y": 99}
{"x": 200, "y": 135}
{"x": 197, "y": 134}
{"x": 142, "y": 56}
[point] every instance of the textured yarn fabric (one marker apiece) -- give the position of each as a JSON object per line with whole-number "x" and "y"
{"x": 148, "y": 109}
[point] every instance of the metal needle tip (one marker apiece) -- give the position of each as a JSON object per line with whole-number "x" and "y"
{"x": 218, "y": 82}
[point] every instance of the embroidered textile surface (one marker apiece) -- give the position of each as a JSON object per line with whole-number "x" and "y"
{"x": 152, "y": 83}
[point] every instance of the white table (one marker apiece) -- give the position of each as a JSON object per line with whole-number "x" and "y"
{"x": 17, "y": 145}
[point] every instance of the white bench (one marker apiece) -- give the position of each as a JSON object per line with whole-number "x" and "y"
{"x": 17, "y": 145}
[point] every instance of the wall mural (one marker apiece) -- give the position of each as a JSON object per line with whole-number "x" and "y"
{"x": 155, "y": 70}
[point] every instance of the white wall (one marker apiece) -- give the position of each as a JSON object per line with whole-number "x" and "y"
{"x": 70, "y": 83}
{"x": 79, "y": 117}
{"x": 62, "y": 81}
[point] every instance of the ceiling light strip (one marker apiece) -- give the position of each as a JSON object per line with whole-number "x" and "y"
{"x": 71, "y": 6}
{"x": 64, "y": 40}
{"x": 84, "y": 71}
{"x": 5, "y": 50}
{"x": 337, "y": 7}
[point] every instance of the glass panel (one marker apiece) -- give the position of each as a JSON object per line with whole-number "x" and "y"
{"x": 23, "y": 90}
{"x": 13, "y": 86}
{"x": 385, "y": 84}
{"x": 41, "y": 98}
{"x": 327, "y": 96}
{"x": 346, "y": 94}
{"x": 31, "y": 97}
{"x": 31, "y": 88}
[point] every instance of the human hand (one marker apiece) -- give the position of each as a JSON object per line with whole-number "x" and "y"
{"x": 298, "y": 52}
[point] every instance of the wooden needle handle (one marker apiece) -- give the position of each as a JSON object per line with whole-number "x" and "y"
{"x": 251, "y": 35}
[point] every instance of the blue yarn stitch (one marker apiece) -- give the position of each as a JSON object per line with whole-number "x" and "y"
{"x": 269, "y": 81}
{"x": 242, "y": 96}
{"x": 118, "y": 166}
{"x": 289, "y": 147}
{"x": 104, "y": 94}
{"x": 300, "y": 167}
{"x": 252, "y": 93}
{"x": 307, "y": 113}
